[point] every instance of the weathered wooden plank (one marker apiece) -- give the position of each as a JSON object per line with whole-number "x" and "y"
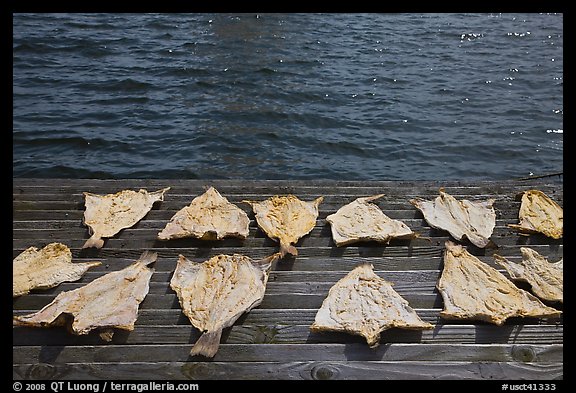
{"x": 328, "y": 205}
{"x": 396, "y": 197}
{"x": 321, "y": 227}
{"x": 319, "y": 232}
{"x": 285, "y": 186}
{"x": 129, "y": 240}
{"x": 283, "y": 298}
{"x": 292, "y": 353}
{"x": 304, "y": 265}
{"x": 553, "y": 250}
{"x": 404, "y": 286}
{"x": 343, "y": 370}
{"x": 291, "y": 316}
{"x": 306, "y": 317}
{"x": 37, "y": 212}
{"x": 300, "y": 334}
{"x": 274, "y": 300}
{"x": 317, "y": 281}
{"x": 306, "y": 288}
{"x": 401, "y": 278}
{"x": 331, "y": 197}
{"x": 396, "y": 276}
{"x": 388, "y": 203}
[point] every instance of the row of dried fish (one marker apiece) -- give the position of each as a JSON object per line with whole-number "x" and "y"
{"x": 214, "y": 294}
{"x": 209, "y": 216}
{"x": 286, "y": 219}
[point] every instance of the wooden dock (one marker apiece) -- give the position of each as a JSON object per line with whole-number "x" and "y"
{"x": 273, "y": 341}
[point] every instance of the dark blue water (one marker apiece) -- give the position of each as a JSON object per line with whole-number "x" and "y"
{"x": 288, "y": 96}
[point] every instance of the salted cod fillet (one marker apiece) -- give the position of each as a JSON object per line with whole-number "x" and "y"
{"x": 108, "y": 302}
{"x": 472, "y": 289}
{"x": 286, "y": 219}
{"x": 540, "y": 214}
{"x": 474, "y": 220}
{"x": 545, "y": 278}
{"x": 106, "y": 215}
{"x": 361, "y": 220}
{"x": 210, "y": 216}
{"x": 215, "y": 293}
{"x": 364, "y": 304}
{"x": 45, "y": 268}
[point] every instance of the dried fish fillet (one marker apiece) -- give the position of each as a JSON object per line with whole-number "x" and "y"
{"x": 364, "y": 304}
{"x": 473, "y": 220}
{"x": 286, "y": 219}
{"x": 214, "y": 294}
{"x": 106, "y": 215}
{"x": 546, "y": 279}
{"x": 108, "y": 302}
{"x": 361, "y": 220}
{"x": 210, "y": 216}
{"x": 472, "y": 289}
{"x": 540, "y": 214}
{"x": 45, "y": 268}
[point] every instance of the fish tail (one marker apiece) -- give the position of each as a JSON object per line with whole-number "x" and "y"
{"x": 287, "y": 248}
{"x": 94, "y": 241}
{"x": 207, "y": 345}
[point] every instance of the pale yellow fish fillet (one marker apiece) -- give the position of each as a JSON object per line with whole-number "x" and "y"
{"x": 540, "y": 214}
{"x": 286, "y": 219}
{"x": 474, "y": 290}
{"x": 210, "y": 216}
{"x": 364, "y": 304}
{"x": 461, "y": 218}
{"x": 45, "y": 268}
{"x": 110, "y": 301}
{"x": 545, "y": 278}
{"x": 106, "y": 215}
{"x": 215, "y": 293}
{"x": 361, "y": 220}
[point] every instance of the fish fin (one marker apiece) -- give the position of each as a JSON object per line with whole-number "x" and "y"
{"x": 106, "y": 335}
{"x": 158, "y": 195}
{"x": 265, "y": 264}
{"x": 419, "y": 236}
{"x": 416, "y": 202}
{"x": 287, "y": 249}
{"x": 183, "y": 260}
{"x": 89, "y": 265}
{"x": 17, "y": 321}
{"x": 207, "y": 345}
{"x": 268, "y": 260}
{"x": 94, "y": 241}
{"x": 147, "y": 257}
{"x": 372, "y": 198}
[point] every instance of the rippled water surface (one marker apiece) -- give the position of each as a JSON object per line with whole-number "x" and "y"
{"x": 288, "y": 96}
